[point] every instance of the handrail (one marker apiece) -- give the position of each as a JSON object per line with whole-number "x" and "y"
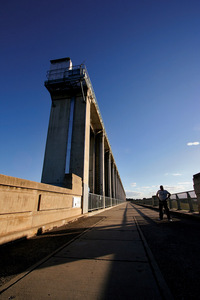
{"x": 181, "y": 201}
{"x": 181, "y": 193}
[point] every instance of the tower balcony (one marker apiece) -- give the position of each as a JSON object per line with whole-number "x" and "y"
{"x": 66, "y": 78}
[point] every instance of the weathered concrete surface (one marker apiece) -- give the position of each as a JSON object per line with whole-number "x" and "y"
{"x": 26, "y": 206}
{"x": 56, "y": 144}
{"x": 109, "y": 261}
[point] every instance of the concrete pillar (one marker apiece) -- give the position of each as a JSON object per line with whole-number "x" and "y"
{"x": 113, "y": 179}
{"x": 116, "y": 184}
{"x": 100, "y": 165}
{"x": 108, "y": 188}
{"x": 116, "y": 194}
{"x": 80, "y": 145}
{"x": 56, "y": 144}
{"x": 120, "y": 189}
{"x": 196, "y": 181}
{"x": 109, "y": 176}
{"x": 92, "y": 163}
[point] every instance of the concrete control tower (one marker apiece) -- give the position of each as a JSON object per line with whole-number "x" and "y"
{"x": 76, "y": 140}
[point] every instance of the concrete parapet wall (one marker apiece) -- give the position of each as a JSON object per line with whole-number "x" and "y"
{"x": 27, "y": 207}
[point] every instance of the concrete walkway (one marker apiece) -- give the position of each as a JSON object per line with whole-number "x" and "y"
{"x": 109, "y": 261}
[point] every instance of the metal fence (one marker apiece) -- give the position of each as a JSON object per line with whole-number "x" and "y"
{"x": 67, "y": 73}
{"x": 180, "y": 201}
{"x": 97, "y": 202}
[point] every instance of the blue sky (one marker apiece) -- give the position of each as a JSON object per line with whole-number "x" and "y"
{"x": 143, "y": 60}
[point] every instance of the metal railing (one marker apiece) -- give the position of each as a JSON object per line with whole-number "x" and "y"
{"x": 67, "y": 73}
{"x": 80, "y": 73}
{"x": 97, "y": 202}
{"x": 179, "y": 201}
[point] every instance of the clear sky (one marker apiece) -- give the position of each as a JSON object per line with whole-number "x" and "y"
{"x": 143, "y": 58}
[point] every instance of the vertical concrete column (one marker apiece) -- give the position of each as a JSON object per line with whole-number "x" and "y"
{"x": 108, "y": 188}
{"x": 117, "y": 188}
{"x": 120, "y": 190}
{"x": 92, "y": 163}
{"x": 113, "y": 180}
{"x": 116, "y": 196}
{"x": 116, "y": 184}
{"x": 56, "y": 144}
{"x": 106, "y": 173}
{"x": 109, "y": 176}
{"x": 80, "y": 145}
{"x": 97, "y": 163}
{"x": 100, "y": 164}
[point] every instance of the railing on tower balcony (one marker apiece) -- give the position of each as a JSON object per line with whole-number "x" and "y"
{"x": 179, "y": 201}
{"x": 97, "y": 202}
{"x": 79, "y": 74}
{"x": 65, "y": 74}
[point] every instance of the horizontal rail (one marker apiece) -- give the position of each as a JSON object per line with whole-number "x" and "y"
{"x": 97, "y": 202}
{"x": 180, "y": 201}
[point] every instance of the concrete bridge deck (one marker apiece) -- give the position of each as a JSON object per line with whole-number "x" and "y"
{"x": 112, "y": 260}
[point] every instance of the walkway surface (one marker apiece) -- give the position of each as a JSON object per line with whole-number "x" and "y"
{"x": 110, "y": 260}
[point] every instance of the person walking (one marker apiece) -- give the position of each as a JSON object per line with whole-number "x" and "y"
{"x": 163, "y": 195}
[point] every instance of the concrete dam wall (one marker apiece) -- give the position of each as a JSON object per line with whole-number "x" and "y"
{"x": 28, "y": 207}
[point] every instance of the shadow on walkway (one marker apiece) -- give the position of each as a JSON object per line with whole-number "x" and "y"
{"x": 107, "y": 262}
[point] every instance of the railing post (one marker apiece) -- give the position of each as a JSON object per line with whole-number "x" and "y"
{"x": 190, "y": 202}
{"x": 170, "y": 203}
{"x": 154, "y": 198}
{"x": 178, "y": 202}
